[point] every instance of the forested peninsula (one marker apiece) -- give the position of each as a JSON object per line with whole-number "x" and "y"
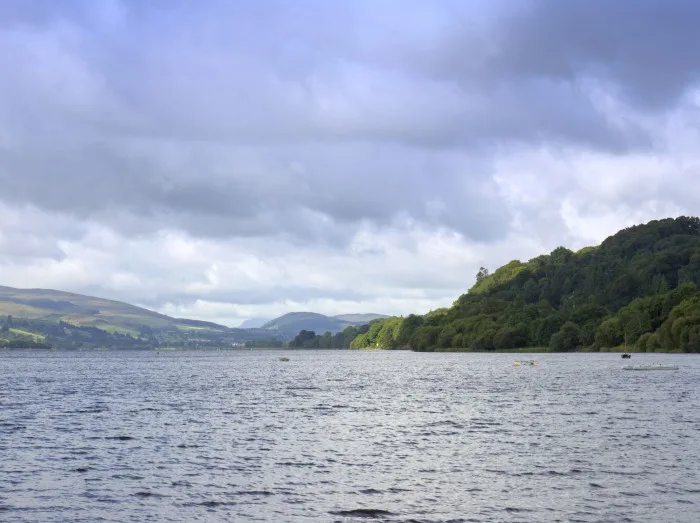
{"x": 638, "y": 291}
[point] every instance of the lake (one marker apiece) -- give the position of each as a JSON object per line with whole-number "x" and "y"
{"x": 347, "y": 436}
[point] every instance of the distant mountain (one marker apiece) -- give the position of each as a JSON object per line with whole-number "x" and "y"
{"x": 68, "y": 320}
{"x": 253, "y": 323}
{"x": 289, "y": 325}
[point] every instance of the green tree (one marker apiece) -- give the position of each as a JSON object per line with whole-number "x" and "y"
{"x": 303, "y": 339}
{"x": 609, "y": 334}
{"x": 568, "y": 338}
{"x": 424, "y": 338}
{"x": 511, "y": 337}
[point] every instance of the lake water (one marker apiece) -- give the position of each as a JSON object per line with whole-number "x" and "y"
{"x": 346, "y": 436}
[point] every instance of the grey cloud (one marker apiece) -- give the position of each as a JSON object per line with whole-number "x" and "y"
{"x": 306, "y": 74}
{"x": 647, "y": 48}
{"x": 19, "y": 247}
{"x": 189, "y": 115}
{"x": 342, "y": 187}
{"x": 28, "y": 234}
{"x": 15, "y": 13}
{"x": 253, "y": 297}
{"x": 528, "y": 65}
{"x": 257, "y": 296}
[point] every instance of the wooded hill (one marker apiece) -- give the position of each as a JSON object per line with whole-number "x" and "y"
{"x": 638, "y": 290}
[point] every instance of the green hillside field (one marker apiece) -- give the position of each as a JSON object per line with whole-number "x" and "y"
{"x": 59, "y": 319}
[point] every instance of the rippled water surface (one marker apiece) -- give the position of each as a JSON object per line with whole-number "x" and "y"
{"x": 346, "y": 436}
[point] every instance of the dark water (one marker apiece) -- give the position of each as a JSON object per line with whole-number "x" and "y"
{"x": 346, "y": 436}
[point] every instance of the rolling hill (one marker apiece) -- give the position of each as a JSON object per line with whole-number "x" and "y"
{"x": 80, "y": 310}
{"x": 68, "y": 320}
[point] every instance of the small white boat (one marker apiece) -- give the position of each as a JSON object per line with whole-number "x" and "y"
{"x": 525, "y": 362}
{"x": 648, "y": 366}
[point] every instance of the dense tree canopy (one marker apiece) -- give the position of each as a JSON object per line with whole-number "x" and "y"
{"x": 341, "y": 340}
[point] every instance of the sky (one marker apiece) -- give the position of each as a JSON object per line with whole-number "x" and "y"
{"x": 227, "y": 159}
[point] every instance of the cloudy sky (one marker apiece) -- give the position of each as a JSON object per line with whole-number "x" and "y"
{"x": 227, "y": 159}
